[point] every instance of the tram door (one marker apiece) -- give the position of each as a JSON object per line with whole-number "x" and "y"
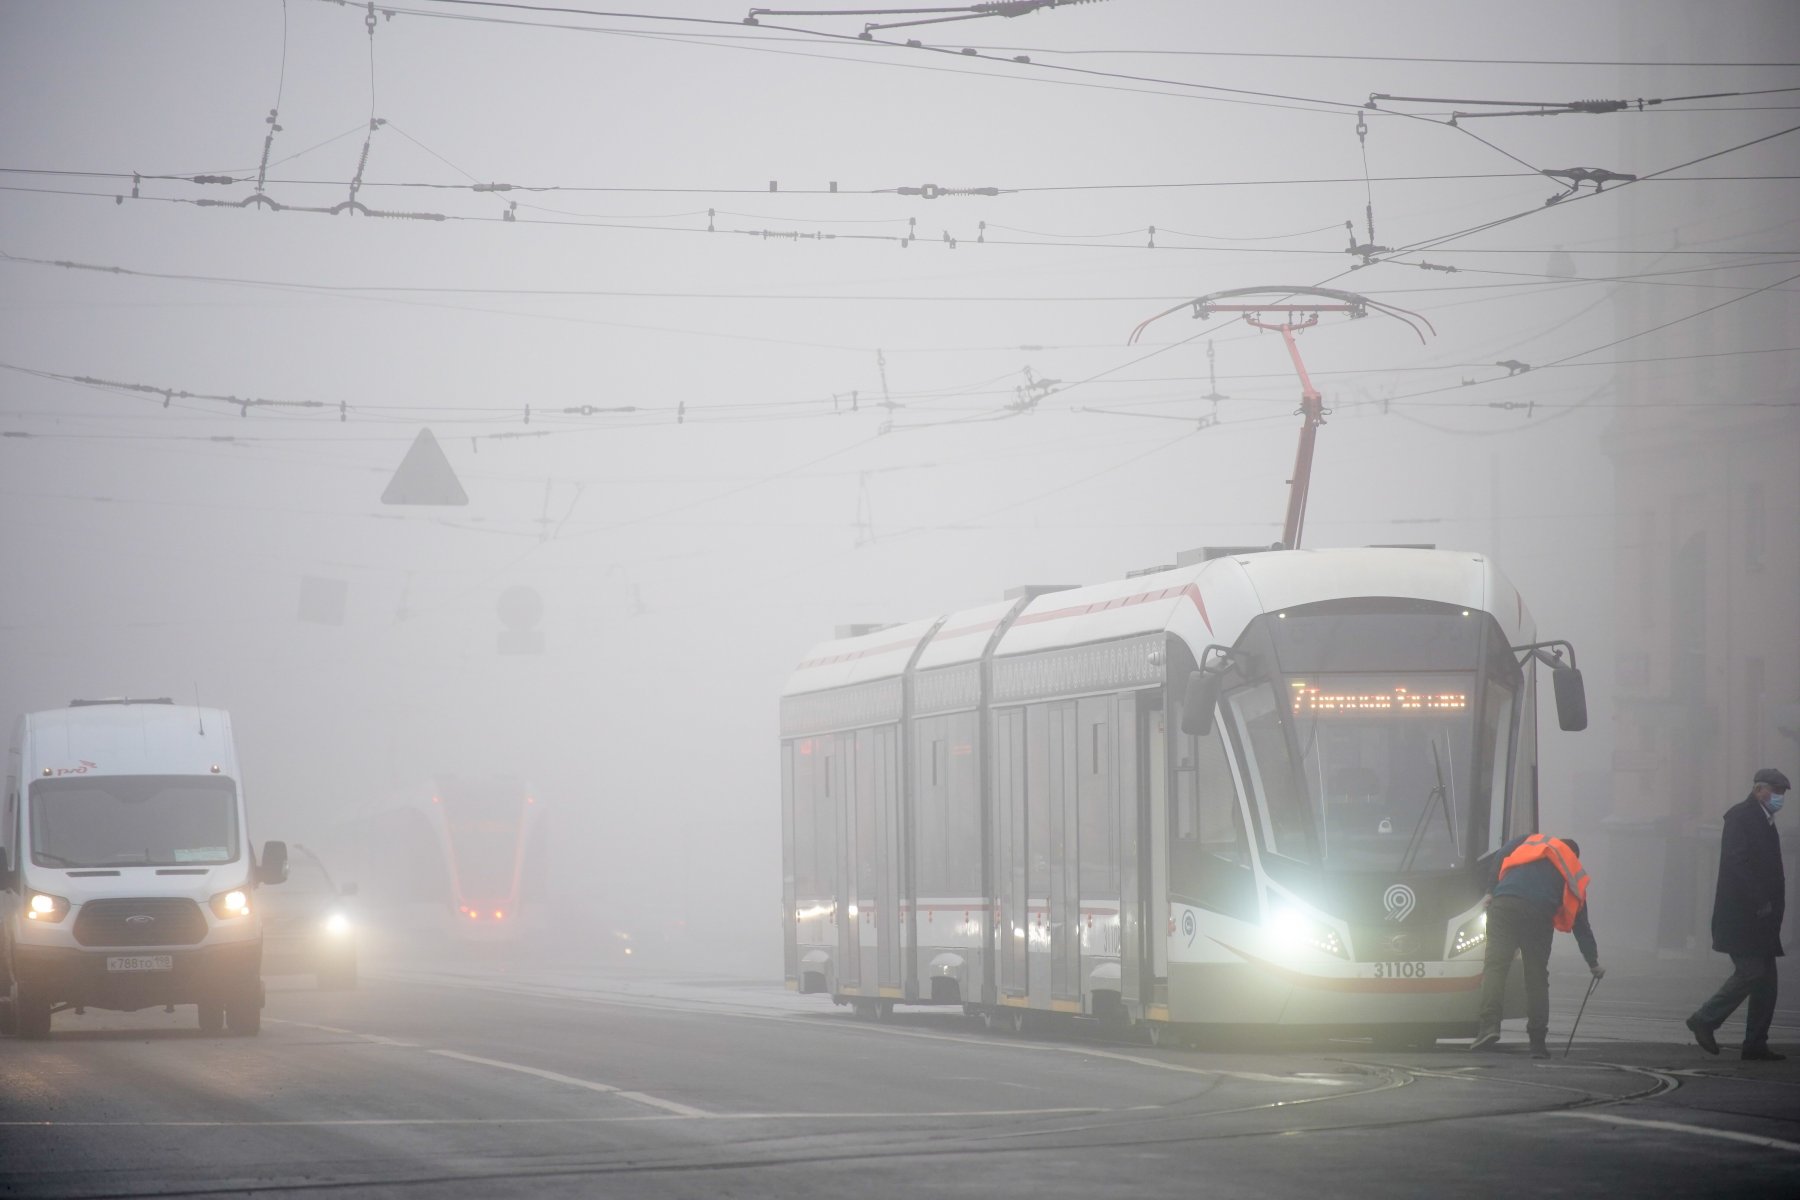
{"x": 1152, "y": 850}
{"x": 835, "y": 776}
{"x": 878, "y": 781}
{"x": 1093, "y": 821}
{"x": 1065, "y": 843}
{"x": 1012, "y": 916}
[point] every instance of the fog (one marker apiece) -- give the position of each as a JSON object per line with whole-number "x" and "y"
{"x": 705, "y": 450}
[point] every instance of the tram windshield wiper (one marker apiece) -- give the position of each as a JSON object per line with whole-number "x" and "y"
{"x": 1441, "y": 794}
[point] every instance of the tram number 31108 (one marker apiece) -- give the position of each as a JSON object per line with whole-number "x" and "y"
{"x": 1400, "y": 970}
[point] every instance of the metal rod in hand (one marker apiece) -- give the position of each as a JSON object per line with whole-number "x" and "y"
{"x": 1590, "y": 994}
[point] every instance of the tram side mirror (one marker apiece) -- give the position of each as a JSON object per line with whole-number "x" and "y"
{"x": 1198, "y": 702}
{"x": 6, "y": 871}
{"x": 1571, "y": 699}
{"x": 274, "y": 867}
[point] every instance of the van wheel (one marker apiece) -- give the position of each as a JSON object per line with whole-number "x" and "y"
{"x": 212, "y": 1018}
{"x": 30, "y": 1012}
{"x": 243, "y": 1016}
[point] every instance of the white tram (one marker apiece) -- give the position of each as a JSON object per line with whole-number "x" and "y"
{"x": 1048, "y": 805}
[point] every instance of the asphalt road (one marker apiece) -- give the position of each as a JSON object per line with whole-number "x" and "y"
{"x": 498, "y": 1079}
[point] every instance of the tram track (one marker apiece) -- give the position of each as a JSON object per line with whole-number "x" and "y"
{"x": 1132, "y": 1130}
{"x": 930, "y": 1144}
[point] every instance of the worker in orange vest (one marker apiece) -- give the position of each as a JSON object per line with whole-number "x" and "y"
{"x": 1538, "y": 887}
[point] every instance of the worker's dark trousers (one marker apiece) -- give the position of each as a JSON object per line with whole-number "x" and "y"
{"x": 1515, "y": 925}
{"x": 1752, "y": 975}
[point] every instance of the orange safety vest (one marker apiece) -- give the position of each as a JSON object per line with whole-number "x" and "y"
{"x": 1575, "y": 876}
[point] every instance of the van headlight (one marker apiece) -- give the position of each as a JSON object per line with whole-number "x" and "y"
{"x": 235, "y": 903}
{"x": 1291, "y": 927}
{"x": 42, "y": 906}
{"x": 1471, "y": 935}
{"x": 337, "y": 925}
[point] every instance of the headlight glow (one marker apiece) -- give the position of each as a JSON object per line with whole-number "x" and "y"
{"x": 1471, "y": 936}
{"x": 229, "y": 905}
{"x": 337, "y": 924}
{"x": 1291, "y": 928}
{"x": 46, "y": 908}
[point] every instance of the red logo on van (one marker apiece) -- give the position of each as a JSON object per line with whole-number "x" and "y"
{"x": 83, "y": 769}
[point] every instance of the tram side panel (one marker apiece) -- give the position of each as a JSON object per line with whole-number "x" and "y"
{"x": 1065, "y": 809}
{"x": 952, "y": 910}
{"x": 1213, "y": 898}
{"x": 844, "y": 845}
{"x": 812, "y": 840}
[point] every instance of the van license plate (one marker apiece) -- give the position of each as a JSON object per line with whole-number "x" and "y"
{"x": 141, "y": 962}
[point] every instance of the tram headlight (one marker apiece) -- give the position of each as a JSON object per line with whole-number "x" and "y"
{"x": 1292, "y": 928}
{"x": 337, "y": 924}
{"x": 1471, "y": 935}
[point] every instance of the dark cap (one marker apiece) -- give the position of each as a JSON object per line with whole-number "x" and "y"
{"x": 1773, "y": 778}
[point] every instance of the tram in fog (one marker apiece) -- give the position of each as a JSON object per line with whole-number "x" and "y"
{"x": 1256, "y": 789}
{"x": 493, "y": 840}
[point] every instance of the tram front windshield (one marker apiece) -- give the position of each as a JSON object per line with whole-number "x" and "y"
{"x": 1365, "y": 769}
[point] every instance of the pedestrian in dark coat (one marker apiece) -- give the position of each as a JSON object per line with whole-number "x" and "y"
{"x": 1746, "y": 922}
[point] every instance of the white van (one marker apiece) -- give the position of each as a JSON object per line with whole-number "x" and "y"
{"x": 127, "y": 878}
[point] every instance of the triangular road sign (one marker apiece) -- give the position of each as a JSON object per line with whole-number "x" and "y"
{"x": 424, "y": 476}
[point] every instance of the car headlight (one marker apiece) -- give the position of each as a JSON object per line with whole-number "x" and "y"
{"x": 42, "y": 906}
{"x": 235, "y": 903}
{"x": 337, "y": 924}
{"x": 1472, "y": 935}
{"x": 1290, "y": 927}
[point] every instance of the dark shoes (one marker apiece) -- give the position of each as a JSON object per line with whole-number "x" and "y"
{"x": 1485, "y": 1039}
{"x": 1762, "y": 1054}
{"x": 1703, "y": 1035}
{"x": 1539, "y": 1050}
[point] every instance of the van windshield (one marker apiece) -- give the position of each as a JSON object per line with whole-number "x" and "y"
{"x": 133, "y": 821}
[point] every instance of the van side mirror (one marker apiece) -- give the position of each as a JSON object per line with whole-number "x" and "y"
{"x": 1571, "y": 699}
{"x": 274, "y": 867}
{"x": 1198, "y": 701}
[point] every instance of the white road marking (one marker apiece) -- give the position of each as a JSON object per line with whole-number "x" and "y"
{"x": 669, "y": 1106}
{"x": 376, "y": 1038}
{"x": 1729, "y": 1135}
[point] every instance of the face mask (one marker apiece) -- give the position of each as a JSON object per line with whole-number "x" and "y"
{"x": 1774, "y": 802}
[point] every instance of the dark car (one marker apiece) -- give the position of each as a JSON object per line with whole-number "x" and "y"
{"x": 308, "y": 928}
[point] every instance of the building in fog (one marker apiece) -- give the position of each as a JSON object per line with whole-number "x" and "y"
{"x": 1705, "y": 451}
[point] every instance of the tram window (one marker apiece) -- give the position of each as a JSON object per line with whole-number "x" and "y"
{"x": 1280, "y": 797}
{"x": 1496, "y": 738}
{"x": 1098, "y": 816}
{"x": 932, "y": 849}
{"x": 1038, "y": 763}
{"x": 800, "y": 817}
{"x": 962, "y": 809}
{"x": 1523, "y": 817}
{"x": 1210, "y": 849}
{"x": 862, "y": 797}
